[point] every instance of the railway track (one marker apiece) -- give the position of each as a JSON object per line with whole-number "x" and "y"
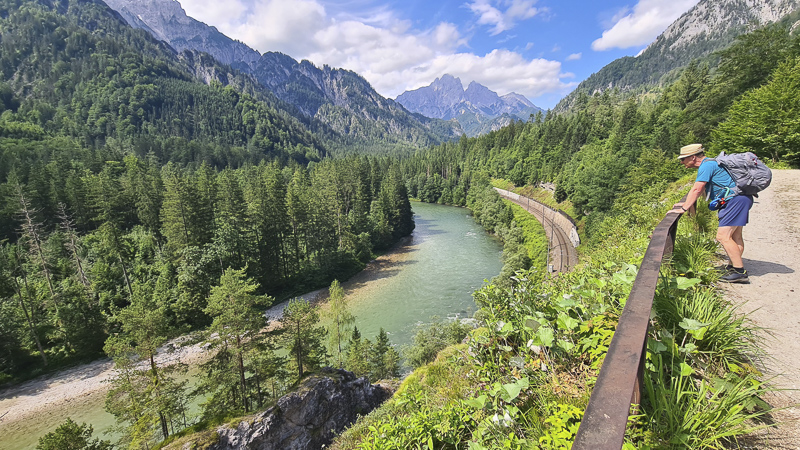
{"x": 562, "y": 256}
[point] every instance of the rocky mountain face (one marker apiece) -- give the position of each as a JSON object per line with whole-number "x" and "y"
{"x": 309, "y": 418}
{"x": 167, "y": 21}
{"x": 709, "y": 26}
{"x": 476, "y": 108}
{"x": 340, "y": 99}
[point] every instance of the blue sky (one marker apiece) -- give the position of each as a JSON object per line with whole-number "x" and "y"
{"x": 538, "y": 48}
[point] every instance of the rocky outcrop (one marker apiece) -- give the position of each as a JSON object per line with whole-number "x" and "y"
{"x": 309, "y": 418}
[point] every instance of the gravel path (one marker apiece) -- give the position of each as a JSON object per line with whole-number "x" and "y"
{"x": 772, "y": 299}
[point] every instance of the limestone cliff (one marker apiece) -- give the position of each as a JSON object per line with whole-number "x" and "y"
{"x": 309, "y": 418}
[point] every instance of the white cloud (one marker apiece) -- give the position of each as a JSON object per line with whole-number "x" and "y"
{"x": 501, "y": 70}
{"x": 379, "y": 45}
{"x": 517, "y": 10}
{"x": 574, "y": 56}
{"x": 214, "y": 12}
{"x": 645, "y": 22}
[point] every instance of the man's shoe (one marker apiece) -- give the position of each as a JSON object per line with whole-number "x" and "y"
{"x": 724, "y": 268}
{"x": 735, "y": 277}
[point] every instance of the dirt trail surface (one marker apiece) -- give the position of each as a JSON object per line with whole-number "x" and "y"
{"x": 772, "y": 300}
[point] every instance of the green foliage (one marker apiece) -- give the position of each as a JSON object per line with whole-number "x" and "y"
{"x": 71, "y": 436}
{"x": 432, "y": 338}
{"x": 146, "y": 399}
{"x": 236, "y": 335}
{"x": 685, "y": 410}
{"x": 377, "y": 361}
{"x": 303, "y": 337}
{"x": 562, "y": 427}
{"x": 764, "y": 120}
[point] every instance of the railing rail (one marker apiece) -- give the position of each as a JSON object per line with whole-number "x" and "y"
{"x": 619, "y": 383}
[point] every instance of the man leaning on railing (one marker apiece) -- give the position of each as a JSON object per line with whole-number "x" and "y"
{"x": 733, "y": 210}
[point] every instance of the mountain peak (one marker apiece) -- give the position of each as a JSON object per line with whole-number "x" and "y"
{"x": 448, "y": 81}
{"x": 477, "y": 106}
{"x": 481, "y": 96}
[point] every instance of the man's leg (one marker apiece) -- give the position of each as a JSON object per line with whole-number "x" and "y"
{"x": 727, "y": 237}
{"x": 737, "y": 237}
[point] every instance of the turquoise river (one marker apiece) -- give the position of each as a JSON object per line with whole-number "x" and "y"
{"x": 433, "y": 273}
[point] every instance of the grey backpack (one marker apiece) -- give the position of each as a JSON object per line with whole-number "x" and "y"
{"x": 748, "y": 172}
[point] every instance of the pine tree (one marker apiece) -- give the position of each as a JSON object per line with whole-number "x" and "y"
{"x": 384, "y": 360}
{"x": 148, "y": 399}
{"x": 238, "y": 317}
{"x": 302, "y": 336}
{"x": 358, "y": 354}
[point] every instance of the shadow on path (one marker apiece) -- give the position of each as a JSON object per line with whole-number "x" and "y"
{"x": 757, "y": 268}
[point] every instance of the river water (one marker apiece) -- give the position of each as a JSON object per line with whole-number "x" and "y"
{"x": 431, "y": 274}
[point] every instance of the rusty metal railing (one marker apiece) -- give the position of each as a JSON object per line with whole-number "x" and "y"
{"x": 619, "y": 383}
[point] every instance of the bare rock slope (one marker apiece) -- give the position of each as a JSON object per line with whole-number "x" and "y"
{"x": 309, "y": 418}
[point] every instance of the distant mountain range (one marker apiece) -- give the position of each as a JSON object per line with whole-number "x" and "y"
{"x": 340, "y": 99}
{"x": 709, "y": 26}
{"x": 477, "y": 108}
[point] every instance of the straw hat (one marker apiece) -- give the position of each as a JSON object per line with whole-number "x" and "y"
{"x": 691, "y": 149}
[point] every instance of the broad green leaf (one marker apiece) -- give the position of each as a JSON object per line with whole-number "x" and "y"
{"x": 510, "y": 392}
{"x": 684, "y": 283}
{"x": 477, "y": 403}
{"x": 545, "y": 336}
{"x": 692, "y": 324}
{"x": 476, "y": 446}
{"x": 686, "y": 370}
{"x": 518, "y": 362}
{"x": 565, "y": 303}
{"x": 565, "y": 345}
{"x": 531, "y": 323}
{"x": 657, "y": 346}
{"x": 566, "y": 322}
{"x": 689, "y": 348}
{"x": 696, "y": 328}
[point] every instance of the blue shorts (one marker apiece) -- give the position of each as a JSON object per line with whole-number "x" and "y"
{"x": 737, "y": 212}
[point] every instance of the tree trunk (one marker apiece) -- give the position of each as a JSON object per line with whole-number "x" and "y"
{"x": 30, "y": 321}
{"x": 242, "y": 382}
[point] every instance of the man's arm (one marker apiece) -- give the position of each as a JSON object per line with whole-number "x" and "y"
{"x": 694, "y": 193}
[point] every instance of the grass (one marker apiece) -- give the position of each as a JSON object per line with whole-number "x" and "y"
{"x": 684, "y": 412}
{"x": 534, "y": 235}
{"x": 431, "y": 388}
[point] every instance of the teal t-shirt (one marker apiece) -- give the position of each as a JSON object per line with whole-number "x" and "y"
{"x": 716, "y": 178}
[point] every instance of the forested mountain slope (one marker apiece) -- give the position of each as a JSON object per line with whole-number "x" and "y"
{"x": 341, "y": 99}
{"x": 77, "y": 69}
{"x": 709, "y": 26}
{"x": 129, "y": 185}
